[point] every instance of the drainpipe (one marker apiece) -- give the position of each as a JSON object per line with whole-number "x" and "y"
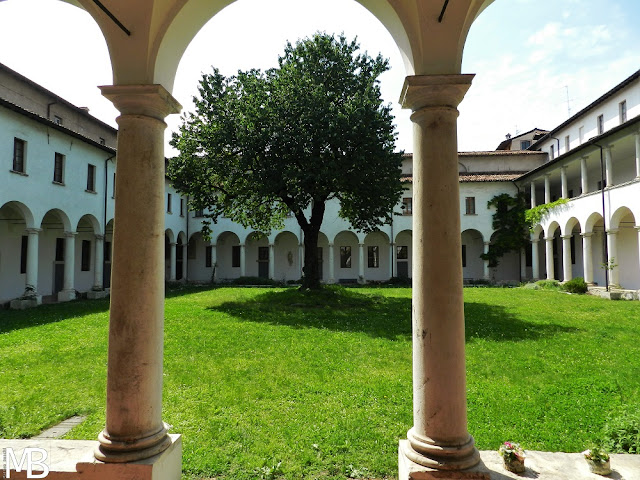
{"x": 604, "y": 221}
{"x": 557, "y": 140}
{"x": 104, "y": 224}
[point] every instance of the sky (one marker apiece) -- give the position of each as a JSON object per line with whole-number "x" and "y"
{"x": 536, "y": 61}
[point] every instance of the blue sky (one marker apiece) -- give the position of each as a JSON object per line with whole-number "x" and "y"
{"x": 529, "y": 56}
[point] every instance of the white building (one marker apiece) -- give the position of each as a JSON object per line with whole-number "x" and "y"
{"x": 597, "y": 147}
{"x": 57, "y": 199}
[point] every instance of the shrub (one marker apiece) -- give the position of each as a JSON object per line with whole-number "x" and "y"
{"x": 577, "y": 285}
{"x": 548, "y": 284}
{"x": 255, "y": 281}
{"x": 622, "y": 433}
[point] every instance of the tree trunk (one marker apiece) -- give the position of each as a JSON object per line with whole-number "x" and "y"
{"x": 310, "y": 271}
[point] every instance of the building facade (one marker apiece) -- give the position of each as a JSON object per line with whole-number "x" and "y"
{"x": 58, "y": 193}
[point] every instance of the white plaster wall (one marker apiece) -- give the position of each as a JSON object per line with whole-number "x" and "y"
{"x": 196, "y": 268}
{"x": 287, "y": 264}
{"x": 12, "y": 282}
{"x": 224, "y": 244}
{"x": 474, "y": 244}
{"x": 381, "y": 272}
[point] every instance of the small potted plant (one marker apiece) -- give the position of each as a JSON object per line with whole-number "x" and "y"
{"x": 598, "y": 460}
{"x": 513, "y": 456}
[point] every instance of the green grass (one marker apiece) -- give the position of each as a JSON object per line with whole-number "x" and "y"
{"x": 270, "y": 383}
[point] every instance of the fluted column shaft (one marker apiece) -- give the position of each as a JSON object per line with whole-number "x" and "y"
{"x": 439, "y": 437}
{"x": 587, "y": 257}
{"x": 134, "y": 427}
{"x": 98, "y": 260}
{"x": 566, "y": 258}
{"x": 549, "y": 258}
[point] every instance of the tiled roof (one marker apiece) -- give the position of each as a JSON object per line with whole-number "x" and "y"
{"x": 466, "y": 177}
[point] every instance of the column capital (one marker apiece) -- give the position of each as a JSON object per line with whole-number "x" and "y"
{"x": 612, "y": 231}
{"x": 549, "y": 239}
{"x": 637, "y": 227}
{"x": 535, "y": 240}
{"x": 70, "y": 234}
{"x": 33, "y": 231}
{"x": 99, "y": 236}
{"x": 566, "y": 237}
{"x": 149, "y": 100}
{"x": 424, "y": 91}
{"x": 586, "y": 234}
{"x": 547, "y": 175}
{"x": 486, "y": 244}
{"x": 330, "y": 245}
{"x": 173, "y": 244}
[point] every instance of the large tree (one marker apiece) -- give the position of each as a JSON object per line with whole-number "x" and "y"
{"x": 262, "y": 144}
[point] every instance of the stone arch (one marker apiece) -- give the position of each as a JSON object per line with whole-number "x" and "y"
{"x": 551, "y": 229}
{"x": 508, "y": 269}
{"x": 377, "y": 256}
{"x": 346, "y": 245}
{"x": 472, "y": 248}
{"x": 592, "y": 220}
{"x": 403, "y": 254}
{"x": 14, "y": 207}
{"x": 228, "y": 255}
{"x": 625, "y": 254}
{"x": 286, "y": 256}
{"x": 256, "y": 247}
{"x": 620, "y": 217}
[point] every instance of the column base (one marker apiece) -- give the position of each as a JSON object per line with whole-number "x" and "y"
{"x": 166, "y": 465}
{"x": 24, "y": 303}
{"x": 410, "y": 470}
{"x": 96, "y": 294}
{"x": 66, "y": 295}
{"x": 123, "y": 450}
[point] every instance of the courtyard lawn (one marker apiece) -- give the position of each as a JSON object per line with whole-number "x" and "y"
{"x": 273, "y": 383}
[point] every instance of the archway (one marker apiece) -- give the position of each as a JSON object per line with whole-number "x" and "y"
{"x": 15, "y": 219}
{"x": 229, "y": 256}
{"x": 286, "y": 256}
{"x": 472, "y": 248}
{"x": 623, "y": 227}
{"x": 377, "y": 257}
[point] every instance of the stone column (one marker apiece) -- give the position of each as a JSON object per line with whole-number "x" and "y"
{"x": 584, "y": 179}
{"x": 439, "y": 437}
{"x": 332, "y": 277}
{"x": 612, "y": 247}
{"x": 391, "y": 249}
{"x": 608, "y": 165}
{"x": 272, "y": 262}
{"x": 68, "y": 291}
{"x": 172, "y": 262}
{"x": 243, "y": 262}
{"x": 98, "y": 260}
{"x": 637, "y": 137}
{"x": 185, "y": 260}
{"x": 566, "y": 258}
{"x": 547, "y": 188}
{"x": 587, "y": 257}
{"x": 214, "y": 262}
{"x": 361, "y": 278}
{"x": 134, "y": 427}
{"x": 523, "y": 264}
{"x": 549, "y": 257}
{"x": 31, "y": 277}
{"x": 638, "y": 230}
{"x": 486, "y": 272}
{"x": 533, "y": 194}
{"x": 563, "y": 182}
{"x": 535, "y": 259}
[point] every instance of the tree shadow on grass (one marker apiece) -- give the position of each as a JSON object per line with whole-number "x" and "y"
{"x": 348, "y": 310}
{"x": 44, "y": 314}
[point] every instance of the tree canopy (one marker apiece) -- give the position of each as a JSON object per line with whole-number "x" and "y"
{"x": 262, "y": 144}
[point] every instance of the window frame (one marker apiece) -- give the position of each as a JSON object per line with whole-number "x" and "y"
{"x": 470, "y": 205}
{"x": 373, "y": 256}
{"x": 58, "y": 168}
{"x": 600, "y": 124}
{"x": 345, "y": 256}
{"x": 91, "y": 178}
{"x": 235, "y": 256}
{"x": 622, "y": 111}
{"x": 19, "y": 157}
{"x": 85, "y": 256}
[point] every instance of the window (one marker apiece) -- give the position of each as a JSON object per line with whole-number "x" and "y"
{"x": 524, "y": 144}
{"x": 581, "y": 134}
{"x": 402, "y": 252}
{"x": 623, "y": 111}
{"x": 59, "y": 250}
{"x": 572, "y": 244}
{"x": 23, "y": 254}
{"x": 470, "y": 205}
{"x": 18, "y": 155}
{"x": 570, "y": 193}
{"x": 208, "y": 255}
{"x": 198, "y": 214}
{"x": 552, "y": 152}
{"x": 86, "y": 256}
{"x": 567, "y": 143}
{"x": 407, "y": 206}
{"x": 91, "y": 178}
{"x": 345, "y": 257}
{"x": 58, "y": 168}
{"x": 600, "y": 124}
{"x": 263, "y": 254}
{"x": 168, "y": 203}
{"x": 57, "y": 120}
{"x": 464, "y": 256}
{"x": 182, "y": 207}
{"x": 373, "y": 254}
{"x": 235, "y": 256}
